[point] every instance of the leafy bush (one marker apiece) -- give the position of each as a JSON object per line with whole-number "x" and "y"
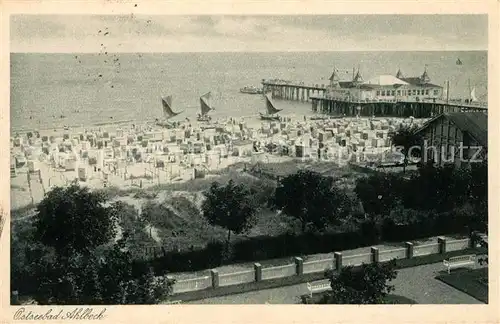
{"x": 161, "y": 215}
{"x": 69, "y": 253}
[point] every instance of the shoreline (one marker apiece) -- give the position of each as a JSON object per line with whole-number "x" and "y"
{"x": 254, "y": 123}
{"x": 25, "y": 130}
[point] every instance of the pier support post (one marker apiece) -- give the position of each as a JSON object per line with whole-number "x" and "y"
{"x": 315, "y": 105}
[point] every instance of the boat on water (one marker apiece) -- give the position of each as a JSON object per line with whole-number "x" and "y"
{"x": 459, "y": 62}
{"x": 251, "y": 90}
{"x": 472, "y": 94}
{"x": 206, "y": 107}
{"x": 167, "y": 113}
{"x": 272, "y": 111}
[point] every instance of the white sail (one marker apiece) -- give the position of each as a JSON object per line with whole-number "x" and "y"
{"x": 473, "y": 95}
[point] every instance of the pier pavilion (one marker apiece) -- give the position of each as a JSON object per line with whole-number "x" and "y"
{"x": 385, "y": 95}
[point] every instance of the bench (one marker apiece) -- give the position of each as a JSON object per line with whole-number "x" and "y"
{"x": 318, "y": 286}
{"x": 460, "y": 261}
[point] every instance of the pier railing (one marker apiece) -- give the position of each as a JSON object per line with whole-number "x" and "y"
{"x": 290, "y": 83}
{"x": 457, "y": 103}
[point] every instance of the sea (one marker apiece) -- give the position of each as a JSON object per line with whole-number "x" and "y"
{"x": 55, "y": 90}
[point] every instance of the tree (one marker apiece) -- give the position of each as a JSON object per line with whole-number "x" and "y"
{"x": 103, "y": 277}
{"x": 408, "y": 140}
{"x": 444, "y": 188}
{"x": 311, "y": 198}
{"x": 367, "y": 284}
{"x": 74, "y": 219}
{"x": 379, "y": 193}
{"x": 230, "y": 207}
{"x": 478, "y": 191}
{"x": 81, "y": 265}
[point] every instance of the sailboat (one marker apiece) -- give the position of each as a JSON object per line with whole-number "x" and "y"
{"x": 459, "y": 62}
{"x": 167, "y": 112}
{"x": 205, "y": 107}
{"x": 271, "y": 110}
{"x": 472, "y": 94}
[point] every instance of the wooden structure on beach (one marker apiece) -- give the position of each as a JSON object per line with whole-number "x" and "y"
{"x": 414, "y": 96}
{"x": 417, "y": 109}
{"x": 289, "y": 90}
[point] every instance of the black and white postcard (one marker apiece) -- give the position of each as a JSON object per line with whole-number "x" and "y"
{"x": 237, "y": 156}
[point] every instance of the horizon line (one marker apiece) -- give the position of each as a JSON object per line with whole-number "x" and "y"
{"x": 258, "y": 52}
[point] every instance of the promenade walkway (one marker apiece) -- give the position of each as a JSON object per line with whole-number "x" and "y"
{"x": 417, "y": 283}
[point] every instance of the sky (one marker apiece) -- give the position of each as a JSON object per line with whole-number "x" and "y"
{"x": 163, "y": 33}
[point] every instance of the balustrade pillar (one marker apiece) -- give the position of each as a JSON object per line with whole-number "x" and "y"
{"x": 338, "y": 260}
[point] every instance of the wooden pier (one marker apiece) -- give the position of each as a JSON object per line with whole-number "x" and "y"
{"x": 289, "y": 90}
{"x": 417, "y": 109}
{"x": 315, "y": 93}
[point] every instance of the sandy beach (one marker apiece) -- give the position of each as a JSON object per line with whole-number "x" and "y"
{"x": 131, "y": 155}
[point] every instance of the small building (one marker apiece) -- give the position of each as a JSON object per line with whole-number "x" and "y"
{"x": 82, "y": 173}
{"x": 33, "y": 166}
{"x": 242, "y": 148}
{"x": 70, "y": 162}
{"x": 459, "y": 138}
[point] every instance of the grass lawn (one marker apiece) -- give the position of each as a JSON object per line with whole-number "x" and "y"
{"x": 471, "y": 282}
